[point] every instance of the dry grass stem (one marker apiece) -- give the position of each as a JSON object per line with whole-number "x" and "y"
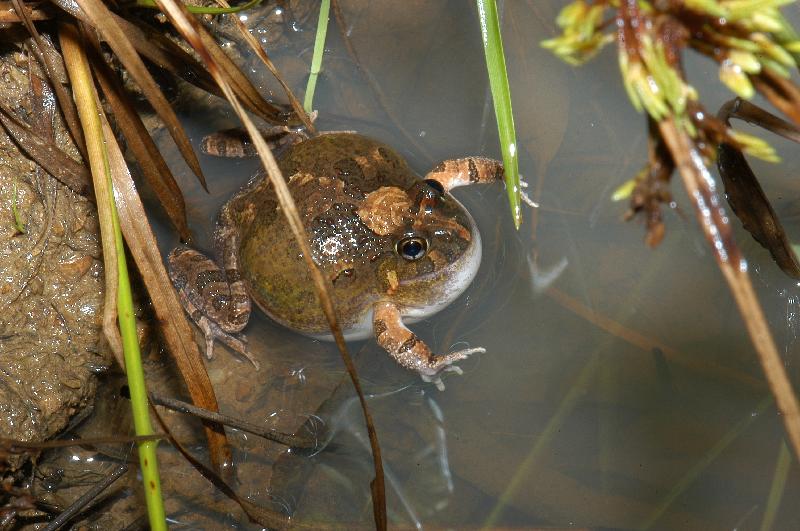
{"x": 153, "y": 166}
{"x": 262, "y": 54}
{"x": 177, "y": 333}
{"x": 102, "y": 19}
{"x": 191, "y": 31}
{"x": 103, "y": 196}
{"x": 716, "y": 227}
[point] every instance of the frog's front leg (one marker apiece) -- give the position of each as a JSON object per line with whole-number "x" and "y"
{"x": 216, "y": 300}
{"x": 409, "y": 350}
{"x": 471, "y": 170}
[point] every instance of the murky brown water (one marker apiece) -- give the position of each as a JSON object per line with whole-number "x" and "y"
{"x": 650, "y": 413}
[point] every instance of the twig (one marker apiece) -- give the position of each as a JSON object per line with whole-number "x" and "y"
{"x": 233, "y": 422}
{"x": 86, "y": 498}
{"x": 716, "y": 226}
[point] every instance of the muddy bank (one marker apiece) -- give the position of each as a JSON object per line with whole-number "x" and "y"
{"x": 51, "y": 275}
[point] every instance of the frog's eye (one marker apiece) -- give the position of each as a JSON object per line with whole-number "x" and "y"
{"x": 436, "y": 185}
{"x": 412, "y": 247}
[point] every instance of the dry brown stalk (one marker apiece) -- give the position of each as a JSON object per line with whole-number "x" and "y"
{"x": 716, "y": 227}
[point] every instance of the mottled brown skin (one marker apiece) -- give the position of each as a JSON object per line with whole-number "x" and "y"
{"x": 360, "y": 202}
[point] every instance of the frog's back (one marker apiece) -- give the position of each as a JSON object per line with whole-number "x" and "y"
{"x": 329, "y": 176}
{"x": 358, "y": 161}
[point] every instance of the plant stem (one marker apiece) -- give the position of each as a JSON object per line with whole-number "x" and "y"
{"x": 319, "y": 50}
{"x": 777, "y": 488}
{"x": 88, "y": 111}
{"x": 501, "y": 95}
{"x": 713, "y": 220}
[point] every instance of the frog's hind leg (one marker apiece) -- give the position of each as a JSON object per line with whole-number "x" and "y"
{"x": 410, "y": 351}
{"x": 236, "y": 142}
{"x": 217, "y": 303}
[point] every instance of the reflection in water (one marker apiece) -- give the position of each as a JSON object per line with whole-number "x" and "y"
{"x": 541, "y": 279}
{"x": 342, "y": 430}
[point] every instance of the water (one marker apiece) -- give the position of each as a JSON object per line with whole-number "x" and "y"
{"x": 624, "y": 395}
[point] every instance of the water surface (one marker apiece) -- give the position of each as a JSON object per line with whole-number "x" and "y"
{"x": 623, "y": 393}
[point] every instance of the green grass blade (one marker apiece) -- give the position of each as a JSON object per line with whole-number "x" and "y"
{"x": 319, "y": 50}
{"x": 136, "y": 383}
{"x": 777, "y": 488}
{"x": 501, "y": 95}
{"x": 694, "y": 472}
{"x": 135, "y": 373}
{"x": 90, "y": 117}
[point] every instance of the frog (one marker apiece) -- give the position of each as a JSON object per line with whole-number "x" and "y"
{"x": 396, "y": 248}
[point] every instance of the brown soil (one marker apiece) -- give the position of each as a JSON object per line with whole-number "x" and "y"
{"x": 51, "y": 280}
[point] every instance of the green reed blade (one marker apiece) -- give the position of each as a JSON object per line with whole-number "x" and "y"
{"x": 501, "y": 95}
{"x": 90, "y": 117}
{"x": 777, "y": 488}
{"x": 319, "y": 50}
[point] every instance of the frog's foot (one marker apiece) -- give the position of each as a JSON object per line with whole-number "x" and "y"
{"x": 525, "y": 197}
{"x": 443, "y": 364}
{"x": 410, "y": 351}
{"x": 236, "y": 142}
{"x": 469, "y": 170}
{"x": 238, "y": 344}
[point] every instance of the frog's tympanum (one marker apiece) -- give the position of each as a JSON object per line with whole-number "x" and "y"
{"x": 396, "y": 248}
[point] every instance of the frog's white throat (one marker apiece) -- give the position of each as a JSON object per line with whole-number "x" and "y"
{"x": 456, "y": 278}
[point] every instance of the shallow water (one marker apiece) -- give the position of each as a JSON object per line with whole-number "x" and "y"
{"x": 624, "y": 395}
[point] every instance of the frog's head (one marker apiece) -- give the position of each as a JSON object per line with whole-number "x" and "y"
{"x": 436, "y": 246}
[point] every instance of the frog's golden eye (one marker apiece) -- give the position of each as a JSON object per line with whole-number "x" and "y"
{"x": 412, "y": 247}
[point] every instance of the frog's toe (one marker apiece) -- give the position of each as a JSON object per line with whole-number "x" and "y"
{"x": 435, "y": 380}
{"x": 443, "y": 364}
{"x": 236, "y": 343}
{"x": 525, "y": 197}
{"x": 454, "y": 368}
